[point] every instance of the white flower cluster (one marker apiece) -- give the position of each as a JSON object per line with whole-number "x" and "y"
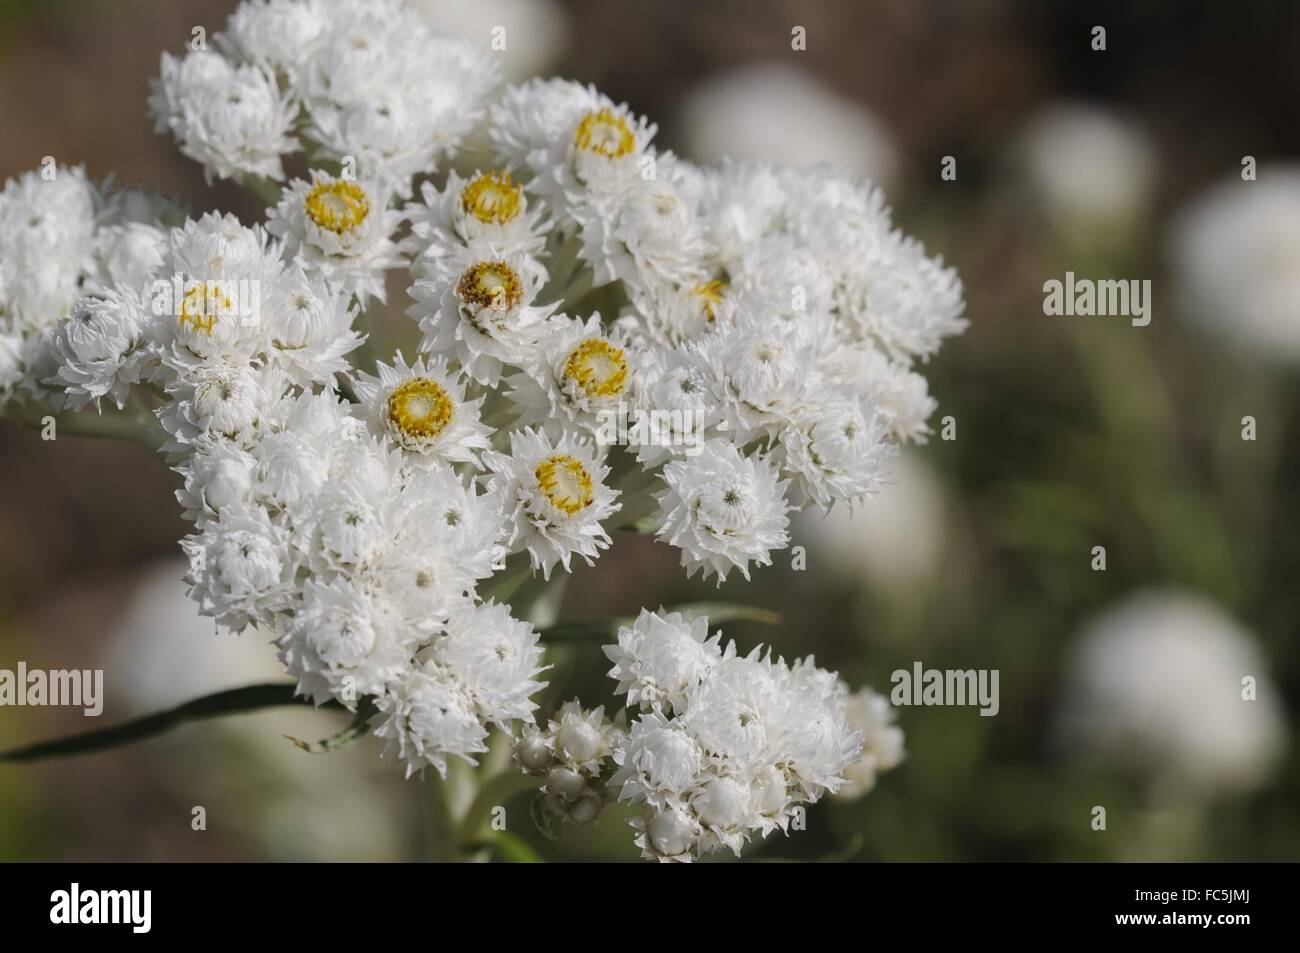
{"x": 726, "y": 746}
{"x": 62, "y": 238}
{"x": 364, "y": 83}
{"x": 757, "y": 353}
{"x": 574, "y": 753}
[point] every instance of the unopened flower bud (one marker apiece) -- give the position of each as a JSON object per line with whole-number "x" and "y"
{"x": 533, "y": 754}
{"x": 670, "y": 833}
{"x": 586, "y": 809}
{"x": 566, "y": 782}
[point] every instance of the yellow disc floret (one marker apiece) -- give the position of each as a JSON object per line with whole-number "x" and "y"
{"x": 202, "y": 305}
{"x": 492, "y": 198}
{"x": 709, "y": 295}
{"x": 605, "y": 133}
{"x": 491, "y": 284}
{"x": 598, "y": 367}
{"x": 419, "y": 409}
{"x": 566, "y": 483}
{"x": 337, "y": 206}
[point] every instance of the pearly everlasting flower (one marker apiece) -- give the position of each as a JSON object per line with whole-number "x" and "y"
{"x": 645, "y": 235}
{"x": 1235, "y": 250}
{"x": 555, "y": 498}
{"x": 833, "y": 451}
{"x": 735, "y": 752}
{"x": 723, "y": 510}
{"x": 574, "y": 141}
{"x": 1155, "y": 685}
{"x": 882, "y": 742}
{"x": 99, "y": 348}
{"x": 479, "y": 306}
{"x": 495, "y": 658}
{"x": 577, "y": 384}
{"x": 661, "y": 657}
{"x": 239, "y": 573}
{"x": 307, "y": 327}
{"x": 341, "y": 644}
{"x": 422, "y": 409}
{"x": 426, "y": 719}
{"x": 489, "y": 208}
{"x": 340, "y": 228}
{"x": 233, "y": 119}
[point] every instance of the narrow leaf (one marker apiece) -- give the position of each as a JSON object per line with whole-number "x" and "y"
{"x": 230, "y": 702}
{"x": 354, "y": 732}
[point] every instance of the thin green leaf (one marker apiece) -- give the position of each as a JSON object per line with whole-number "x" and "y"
{"x": 230, "y": 702}
{"x": 354, "y": 732}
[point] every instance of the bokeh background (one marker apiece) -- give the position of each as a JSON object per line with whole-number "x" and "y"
{"x": 1119, "y": 688}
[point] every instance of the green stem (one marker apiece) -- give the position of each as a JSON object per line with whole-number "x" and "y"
{"x": 493, "y": 793}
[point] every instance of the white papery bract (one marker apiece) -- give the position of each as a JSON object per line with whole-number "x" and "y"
{"x": 610, "y": 337}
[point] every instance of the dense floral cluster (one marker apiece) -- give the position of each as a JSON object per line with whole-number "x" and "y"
{"x": 610, "y": 338}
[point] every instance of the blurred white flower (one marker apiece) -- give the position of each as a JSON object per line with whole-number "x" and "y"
{"x": 1236, "y": 257}
{"x": 778, "y": 112}
{"x": 161, "y": 652}
{"x": 896, "y": 539}
{"x": 1091, "y": 169}
{"x": 531, "y": 32}
{"x": 1155, "y": 684}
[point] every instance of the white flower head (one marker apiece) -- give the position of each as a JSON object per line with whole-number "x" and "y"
{"x": 661, "y": 657}
{"x": 99, "y": 348}
{"x": 234, "y": 119}
{"x": 581, "y": 381}
{"x": 241, "y": 571}
{"x": 723, "y": 510}
{"x": 833, "y": 451}
{"x": 645, "y": 235}
{"x": 882, "y": 742}
{"x": 340, "y": 644}
{"x": 308, "y": 327}
{"x": 496, "y": 659}
{"x": 478, "y": 305}
{"x": 341, "y": 228}
{"x": 422, "y": 409}
{"x": 555, "y": 497}
{"x": 426, "y": 719}
{"x": 489, "y": 207}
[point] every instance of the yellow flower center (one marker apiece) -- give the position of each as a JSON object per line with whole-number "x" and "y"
{"x": 604, "y": 133}
{"x": 492, "y": 198}
{"x": 566, "y": 483}
{"x": 420, "y": 408}
{"x": 337, "y": 206}
{"x": 597, "y": 367}
{"x": 710, "y": 297}
{"x": 202, "y": 305}
{"x": 491, "y": 284}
